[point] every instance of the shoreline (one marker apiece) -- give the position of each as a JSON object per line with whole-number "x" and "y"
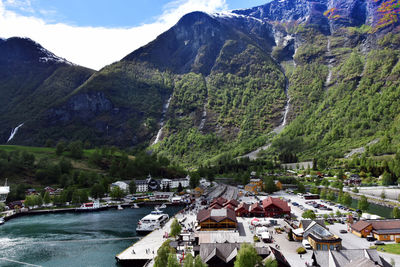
{"x": 77, "y": 210}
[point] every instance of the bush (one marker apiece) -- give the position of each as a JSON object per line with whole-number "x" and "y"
{"x": 301, "y": 250}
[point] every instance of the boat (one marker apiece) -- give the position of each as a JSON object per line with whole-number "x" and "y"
{"x": 163, "y": 206}
{"x": 90, "y": 206}
{"x": 135, "y": 206}
{"x": 155, "y": 220}
{"x": 2, "y": 221}
{"x": 120, "y": 207}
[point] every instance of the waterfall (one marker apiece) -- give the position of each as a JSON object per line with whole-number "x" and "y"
{"x": 329, "y": 77}
{"x": 14, "y": 132}
{"x": 164, "y": 111}
{"x": 203, "y": 117}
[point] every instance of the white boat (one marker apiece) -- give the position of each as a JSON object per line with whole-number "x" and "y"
{"x": 90, "y": 206}
{"x": 155, "y": 220}
{"x": 120, "y": 207}
{"x": 2, "y": 221}
{"x": 135, "y": 206}
{"x": 163, "y": 206}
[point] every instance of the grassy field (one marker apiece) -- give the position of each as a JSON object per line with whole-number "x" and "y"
{"x": 389, "y": 248}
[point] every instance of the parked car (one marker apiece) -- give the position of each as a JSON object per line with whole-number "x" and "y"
{"x": 371, "y": 238}
{"x": 379, "y": 243}
{"x": 306, "y": 244}
{"x": 343, "y": 231}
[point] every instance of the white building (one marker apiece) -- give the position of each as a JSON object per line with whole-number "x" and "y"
{"x": 174, "y": 183}
{"x": 4, "y": 190}
{"x": 121, "y": 184}
{"x": 141, "y": 186}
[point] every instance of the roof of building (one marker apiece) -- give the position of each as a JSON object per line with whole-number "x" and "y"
{"x": 348, "y": 257}
{"x": 255, "y": 207}
{"x": 307, "y": 222}
{"x": 233, "y": 202}
{"x": 141, "y": 182}
{"x": 215, "y": 205}
{"x": 385, "y": 224}
{"x": 230, "y": 206}
{"x": 243, "y": 206}
{"x": 318, "y": 232}
{"x": 226, "y": 252}
{"x": 282, "y": 262}
{"x": 360, "y": 225}
{"x": 216, "y": 215}
{"x": 283, "y": 205}
{"x": 219, "y": 200}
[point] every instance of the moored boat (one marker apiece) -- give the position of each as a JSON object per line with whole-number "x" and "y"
{"x": 155, "y": 220}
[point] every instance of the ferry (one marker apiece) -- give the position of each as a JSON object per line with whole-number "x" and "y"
{"x": 90, "y": 206}
{"x": 2, "y": 221}
{"x": 155, "y": 220}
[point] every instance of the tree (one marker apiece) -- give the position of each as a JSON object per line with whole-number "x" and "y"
{"x": 198, "y": 262}
{"x": 331, "y": 196}
{"x": 363, "y": 203}
{"x": 38, "y": 200}
{"x": 194, "y": 179}
{"x": 46, "y": 198}
{"x": 247, "y": 256}
{"x": 188, "y": 261}
{"x": 168, "y": 189}
{"x": 172, "y": 261}
{"x": 301, "y": 188}
{"x": 346, "y": 199}
{"x": 29, "y": 201}
{"x": 309, "y": 214}
{"x": 176, "y": 228}
{"x": 163, "y": 252}
{"x": 396, "y": 213}
{"x": 132, "y": 187}
{"x": 270, "y": 262}
{"x": 269, "y": 186}
{"x": 117, "y": 193}
{"x": 290, "y": 235}
{"x": 97, "y": 191}
{"x": 60, "y": 148}
{"x": 76, "y": 149}
{"x": 180, "y": 188}
{"x": 386, "y": 178}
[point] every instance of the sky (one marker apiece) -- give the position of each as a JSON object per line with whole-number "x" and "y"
{"x": 95, "y": 33}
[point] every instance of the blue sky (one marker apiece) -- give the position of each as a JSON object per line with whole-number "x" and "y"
{"x": 104, "y": 13}
{"x": 95, "y": 33}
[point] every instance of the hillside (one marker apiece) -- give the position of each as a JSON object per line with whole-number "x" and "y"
{"x": 314, "y": 78}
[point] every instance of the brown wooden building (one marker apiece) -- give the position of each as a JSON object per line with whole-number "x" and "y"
{"x": 216, "y": 219}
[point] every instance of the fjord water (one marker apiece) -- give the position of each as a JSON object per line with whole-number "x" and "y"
{"x": 71, "y": 239}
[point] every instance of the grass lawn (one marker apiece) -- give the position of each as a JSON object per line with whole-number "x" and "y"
{"x": 389, "y": 248}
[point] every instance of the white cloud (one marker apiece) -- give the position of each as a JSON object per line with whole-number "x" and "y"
{"x": 96, "y": 47}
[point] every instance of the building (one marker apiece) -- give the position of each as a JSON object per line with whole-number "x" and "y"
{"x": 4, "y": 190}
{"x": 348, "y": 258}
{"x": 256, "y": 210}
{"x": 165, "y": 196}
{"x": 224, "y": 254}
{"x": 141, "y": 186}
{"x": 278, "y": 184}
{"x": 320, "y": 238}
{"x": 383, "y": 230}
{"x": 216, "y": 219}
{"x": 242, "y": 210}
{"x": 198, "y": 191}
{"x": 174, "y": 183}
{"x": 123, "y": 185}
{"x": 354, "y": 179}
{"x": 299, "y": 232}
{"x": 254, "y": 186}
{"x": 275, "y": 207}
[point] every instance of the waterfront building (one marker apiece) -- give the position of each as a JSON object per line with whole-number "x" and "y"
{"x": 217, "y": 219}
{"x": 141, "y": 186}
{"x": 4, "y": 190}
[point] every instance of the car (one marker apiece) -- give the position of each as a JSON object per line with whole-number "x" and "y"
{"x": 379, "y": 243}
{"x": 343, "y": 231}
{"x": 306, "y": 244}
{"x": 371, "y": 238}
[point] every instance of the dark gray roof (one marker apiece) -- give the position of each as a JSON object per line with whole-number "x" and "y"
{"x": 226, "y": 252}
{"x": 342, "y": 258}
{"x": 306, "y": 223}
{"x": 140, "y": 182}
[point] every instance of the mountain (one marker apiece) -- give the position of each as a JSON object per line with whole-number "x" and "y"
{"x": 315, "y": 78}
{"x": 32, "y": 79}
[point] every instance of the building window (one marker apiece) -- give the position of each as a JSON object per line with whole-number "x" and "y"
{"x": 324, "y": 247}
{"x": 318, "y": 247}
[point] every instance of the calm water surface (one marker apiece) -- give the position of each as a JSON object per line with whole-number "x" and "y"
{"x": 71, "y": 239}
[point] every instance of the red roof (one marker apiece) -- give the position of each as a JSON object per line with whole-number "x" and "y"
{"x": 219, "y": 200}
{"x": 283, "y": 205}
{"x": 256, "y": 208}
{"x": 360, "y": 225}
{"x": 216, "y": 215}
{"x": 243, "y": 207}
{"x": 232, "y": 202}
{"x": 215, "y": 205}
{"x": 229, "y": 206}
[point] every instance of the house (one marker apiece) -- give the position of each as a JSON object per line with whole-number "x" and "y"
{"x": 215, "y": 205}
{"x": 50, "y": 190}
{"x": 232, "y": 202}
{"x": 141, "y": 186}
{"x": 224, "y": 254}
{"x": 278, "y": 184}
{"x": 354, "y": 179}
{"x": 174, "y": 183}
{"x": 30, "y": 191}
{"x": 221, "y": 201}
{"x": 198, "y": 191}
{"x": 320, "y": 238}
{"x": 275, "y": 207}
{"x": 216, "y": 219}
{"x": 123, "y": 185}
{"x": 383, "y": 230}
{"x": 254, "y": 186}
{"x": 348, "y": 258}
{"x": 299, "y": 232}
{"x": 242, "y": 210}
{"x": 256, "y": 210}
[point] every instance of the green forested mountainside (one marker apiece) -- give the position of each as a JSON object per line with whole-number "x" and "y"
{"x": 359, "y": 105}
{"x": 241, "y": 99}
